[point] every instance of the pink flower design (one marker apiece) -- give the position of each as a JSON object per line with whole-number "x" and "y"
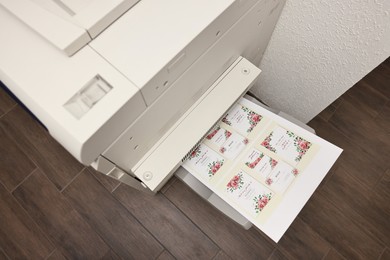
{"x": 295, "y": 172}
{"x": 227, "y": 134}
{"x": 255, "y": 117}
{"x": 195, "y": 153}
{"x": 213, "y": 133}
{"x": 268, "y": 181}
{"x": 261, "y": 201}
{"x": 222, "y": 149}
{"x": 266, "y": 143}
{"x": 214, "y": 167}
{"x": 245, "y": 141}
{"x": 273, "y": 163}
{"x": 255, "y": 162}
{"x": 235, "y": 183}
{"x": 252, "y": 117}
{"x": 261, "y": 205}
{"x": 301, "y": 146}
{"x": 217, "y": 165}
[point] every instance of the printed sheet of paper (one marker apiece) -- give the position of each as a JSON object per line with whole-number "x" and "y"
{"x": 262, "y": 165}
{"x": 205, "y": 161}
{"x": 248, "y": 193}
{"x": 286, "y": 144}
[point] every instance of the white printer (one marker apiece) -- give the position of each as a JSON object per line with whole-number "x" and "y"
{"x": 121, "y": 83}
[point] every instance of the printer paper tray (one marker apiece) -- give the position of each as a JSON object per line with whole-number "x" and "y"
{"x": 268, "y": 179}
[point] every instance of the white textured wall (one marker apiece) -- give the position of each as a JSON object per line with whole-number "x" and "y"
{"x": 320, "y": 49}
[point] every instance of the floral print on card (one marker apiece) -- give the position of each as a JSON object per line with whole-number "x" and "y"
{"x": 218, "y": 136}
{"x": 245, "y": 191}
{"x": 233, "y": 145}
{"x": 242, "y": 119}
{"x": 253, "y": 158}
{"x": 280, "y": 178}
{"x": 205, "y": 161}
{"x": 213, "y": 132}
{"x": 266, "y": 143}
{"x": 286, "y": 144}
{"x": 261, "y": 201}
{"x": 252, "y": 117}
{"x": 214, "y": 167}
{"x": 195, "y": 153}
{"x": 235, "y": 183}
{"x": 302, "y": 146}
{"x": 260, "y": 163}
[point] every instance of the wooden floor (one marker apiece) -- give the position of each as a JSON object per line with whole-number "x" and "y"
{"x": 52, "y": 207}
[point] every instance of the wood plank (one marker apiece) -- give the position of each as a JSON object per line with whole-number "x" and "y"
{"x": 333, "y": 255}
{"x": 111, "y": 255}
{"x": 379, "y": 78}
{"x": 15, "y": 166}
{"x": 347, "y": 237}
{"x": 165, "y": 255}
{"x": 109, "y": 183}
{"x": 381, "y": 193}
{"x": 229, "y": 236}
{"x": 168, "y": 184}
{"x": 383, "y": 119}
{"x": 366, "y": 97}
{"x": 170, "y": 226}
{"x": 59, "y": 166}
{"x": 361, "y": 129}
{"x": 278, "y": 255}
{"x": 350, "y": 196}
{"x": 386, "y": 62}
{"x": 328, "y": 175}
{"x": 121, "y": 231}
{"x": 56, "y": 255}
{"x": 328, "y": 112}
{"x": 301, "y": 242}
{"x": 222, "y": 256}
{"x": 385, "y": 255}
{"x": 353, "y": 157}
{"x": 6, "y": 102}
{"x": 55, "y": 216}
{"x": 3, "y": 256}
{"x": 20, "y": 237}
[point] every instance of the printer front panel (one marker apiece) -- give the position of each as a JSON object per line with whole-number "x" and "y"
{"x": 241, "y": 38}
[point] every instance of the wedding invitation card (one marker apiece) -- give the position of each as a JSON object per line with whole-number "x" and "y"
{"x": 286, "y": 144}
{"x": 248, "y": 193}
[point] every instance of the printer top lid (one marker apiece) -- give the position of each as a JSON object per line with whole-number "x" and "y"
{"x": 68, "y": 24}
